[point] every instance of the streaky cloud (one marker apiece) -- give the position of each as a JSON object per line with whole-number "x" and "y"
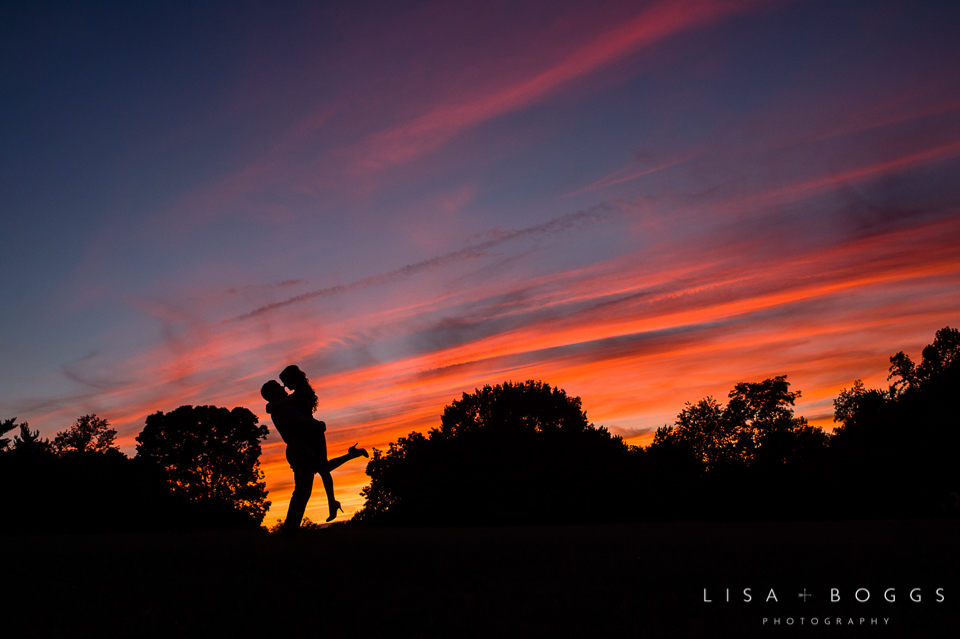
{"x": 654, "y": 24}
{"x": 627, "y": 174}
{"x": 561, "y": 224}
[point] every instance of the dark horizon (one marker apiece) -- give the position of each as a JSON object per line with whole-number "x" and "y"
{"x": 749, "y": 459}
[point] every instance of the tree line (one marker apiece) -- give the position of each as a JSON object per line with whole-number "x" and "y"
{"x": 196, "y": 467}
{"x": 526, "y": 453}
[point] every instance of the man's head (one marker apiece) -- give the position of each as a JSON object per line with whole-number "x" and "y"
{"x": 272, "y": 391}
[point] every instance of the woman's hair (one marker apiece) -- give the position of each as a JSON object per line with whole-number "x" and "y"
{"x": 303, "y": 397}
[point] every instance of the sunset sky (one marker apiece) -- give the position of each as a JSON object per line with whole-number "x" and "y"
{"x": 643, "y": 203}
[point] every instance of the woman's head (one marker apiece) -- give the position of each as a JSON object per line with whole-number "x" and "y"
{"x": 303, "y": 396}
{"x": 294, "y": 378}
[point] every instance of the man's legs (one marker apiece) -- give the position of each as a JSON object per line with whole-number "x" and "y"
{"x": 303, "y": 486}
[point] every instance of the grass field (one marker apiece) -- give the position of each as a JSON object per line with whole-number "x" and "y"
{"x": 636, "y": 580}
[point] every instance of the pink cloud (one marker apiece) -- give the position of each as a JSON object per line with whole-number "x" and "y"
{"x": 429, "y": 131}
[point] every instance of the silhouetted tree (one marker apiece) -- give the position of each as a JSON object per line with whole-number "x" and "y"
{"x": 937, "y": 360}
{"x": 515, "y": 452}
{"x": 77, "y": 491}
{"x": 779, "y": 440}
{"x": 5, "y": 427}
{"x": 210, "y": 457}
{"x": 757, "y": 423}
{"x": 26, "y": 474}
{"x": 750, "y": 457}
{"x": 708, "y": 431}
{"x": 902, "y": 441}
{"x": 853, "y": 405}
{"x": 30, "y": 444}
{"x": 763, "y": 407}
{"x": 88, "y": 434}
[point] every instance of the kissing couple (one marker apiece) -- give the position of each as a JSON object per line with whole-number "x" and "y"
{"x": 292, "y": 416}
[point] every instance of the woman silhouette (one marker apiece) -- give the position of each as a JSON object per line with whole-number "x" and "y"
{"x": 304, "y": 399}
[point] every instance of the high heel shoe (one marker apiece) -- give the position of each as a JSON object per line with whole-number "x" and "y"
{"x": 357, "y": 452}
{"x": 334, "y": 507}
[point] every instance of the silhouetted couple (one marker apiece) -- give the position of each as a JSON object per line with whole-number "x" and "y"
{"x": 306, "y": 444}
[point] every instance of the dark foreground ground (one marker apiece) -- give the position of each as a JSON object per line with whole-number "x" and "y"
{"x": 643, "y": 580}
